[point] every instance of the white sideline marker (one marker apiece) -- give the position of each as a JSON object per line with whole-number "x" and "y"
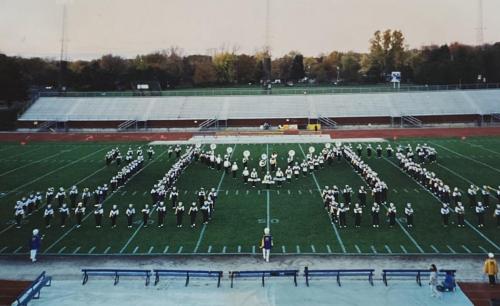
{"x": 300, "y": 192}
{"x": 416, "y": 190}
{"x": 17, "y": 250}
{"x": 373, "y": 249}
{"x": 180, "y": 250}
{"x": 466, "y": 249}
{"x": 434, "y": 249}
{"x": 76, "y": 250}
{"x": 403, "y": 249}
{"x": 91, "y": 250}
{"x": 283, "y": 250}
{"x": 144, "y": 193}
{"x": 237, "y": 192}
{"x": 134, "y": 193}
{"x": 165, "y": 250}
{"x": 239, "y": 249}
{"x": 61, "y": 250}
{"x": 298, "y": 249}
{"x": 3, "y": 249}
{"x": 185, "y": 191}
{"x": 451, "y": 250}
{"x": 258, "y": 192}
{"x": 395, "y": 191}
{"x": 288, "y": 191}
{"x": 248, "y": 191}
{"x": 357, "y": 248}
{"x": 224, "y": 250}
{"x": 328, "y": 248}
{"x": 124, "y": 193}
{"x": 107, "y": 250}
{"x": 278, "y": 192}
{"x": 253, "y": 249}
{"x": 313, "y": 248}
{"x": 310, "y": 191}
{"x": 150, "y": 250}
{"x": 405, "y": 190}
{"x": 388, "y": 249}
{"x": 227, "y": 192}
{"x": 209, "y": 249}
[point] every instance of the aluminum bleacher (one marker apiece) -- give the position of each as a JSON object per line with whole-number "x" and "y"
{"x": 364, "y": 105}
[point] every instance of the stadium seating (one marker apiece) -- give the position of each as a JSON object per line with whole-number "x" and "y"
{"x": 416, "y": 273}
{"x": 116, "y": 273}
{"x": 187, "y": 274}
{"x": 33, "y": 291}
{"x": 263, "y": 274}
{"x": 308, "y": 273}
{"x": 435, "y": 103}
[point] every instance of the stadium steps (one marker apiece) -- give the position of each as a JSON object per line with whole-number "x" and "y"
{"x": 480, "y": 294}
{"x": 9, "y": 290}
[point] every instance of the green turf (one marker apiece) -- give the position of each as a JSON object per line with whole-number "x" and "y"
{"x": 294, "y": 212}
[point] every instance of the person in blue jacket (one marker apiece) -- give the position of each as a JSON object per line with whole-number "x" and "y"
{"x": 34, "y": 244}
{"x": 266, "y": 244}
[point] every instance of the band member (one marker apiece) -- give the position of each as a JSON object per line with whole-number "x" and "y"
{"x": 342, "y": 212}
{"x": 346, "y": 193}
{"x": 362, "y": 196}
{"x": 130, "y": 212}
{"x": 471, "y": 193}
{"x": 245, "y": 174}
{"x": 113, "y": 215}
{"x": 456, "y": 195}
{"x": 170, "y": 151}
{"x": 151, "y": 152}
{"x": 480, "y": 214}
{"x": 38, "y": 199}
{"x": 98, "y": 212}
{"x": 218, "y": 163}
{"x": 496, "y": 214}
{"x": 359, "y": 149}
{"x": 379, "y": 151}
{"x": 179, "y": 213}
{"x": 389, "y": 151}
{"x": 145, "y": 215}
{"x": 391, "y": 213}
{"x": 201, "y": 196}
{"x": 86, "y": 195}
{"x": 333, "y": 210}
{"x": 445, "y": 214}
{"x": 288, "y": 174}
{"x": 79, "y": 212}
{"x": 358, "y": 211}
{"x": 369, "y": 150}
{"x": 460, "y": 211}
{"x": 178, "y": 151}
{"x": 266, "y": 244}
{"x": 409, "y": 215}
{"x": 296, "y": 170}
{"x": 227, "y": 166}
{"x": 234, "y": 169}
{"x": 49, "y": 195}
{"x": 174, "y": 196}
{"x": 205, "y": 210}
{"x": 375, "y": 215}
{"x": 73, "y": 195}
{"x": 18, "y": 214}
{"x": 254, "y": 177}
{"x": 193, "y": 210}
{"x": 64, "y": 214}
{"x": 212, "y": 197}
{"x": 48, "y": 214}
{"x": 162, "y": 211}
{"x": 262, "y": 165}
{"x": 485, "y": 196}
{"x": 268, "y": 180}
{"x": 60, "y": 196}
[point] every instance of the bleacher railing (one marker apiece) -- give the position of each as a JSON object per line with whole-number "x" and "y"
{"x": 299, "y": 90}
{"x": 33, "y": 291}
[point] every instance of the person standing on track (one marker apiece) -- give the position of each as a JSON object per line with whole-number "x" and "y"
{"x": 266, "y": 244}
{"x": 35, "y": 243}
{"x": 491, "y": 269}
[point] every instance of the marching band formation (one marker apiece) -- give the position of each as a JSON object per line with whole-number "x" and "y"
{"x": 339, "y": 202}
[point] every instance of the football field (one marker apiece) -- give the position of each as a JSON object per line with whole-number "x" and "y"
{"x": 294, "y": 212}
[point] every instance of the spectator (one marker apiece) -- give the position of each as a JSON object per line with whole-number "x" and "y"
{"x": 35, "y": 243}
{"x": 491, "y": 268}
{"x": 433, "y": 281}
{"x": 449, "y": 283}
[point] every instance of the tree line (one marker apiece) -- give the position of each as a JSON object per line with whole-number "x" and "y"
{"x": 169, "y": 69}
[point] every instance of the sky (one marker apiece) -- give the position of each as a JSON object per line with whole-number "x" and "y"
{"x": 130, "y": 27}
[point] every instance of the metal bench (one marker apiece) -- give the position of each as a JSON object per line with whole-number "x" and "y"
{"x": 338, "y": 273}
{"x": 33, "y": 291}
{"x": 263, "y": 274}
{"x": 417, "y": 273}
{"x": 116, "y": 273}
{"x": 187, "y": 274}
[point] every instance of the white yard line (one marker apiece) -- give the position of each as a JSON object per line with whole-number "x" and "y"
{"x": 466, "y": 157}
{"x": 342, "y": 246}
{"x": 202, "y": 232}
{"x": 37, "y": 161}
{"x": 466, "y": 221}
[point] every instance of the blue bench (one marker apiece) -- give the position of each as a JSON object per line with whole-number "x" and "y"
{"x": 265, "y": 273}
{"x": 417, "y": 273}
{"x": 33, "y": 291}
{"x": 187, "y": 274}
{"x": 116, "y": 273}
{"x": 338, "y": 273}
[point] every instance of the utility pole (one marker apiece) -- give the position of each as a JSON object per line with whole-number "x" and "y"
{"x": 62, "y": 55}
{"x": 480, "y": 24}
